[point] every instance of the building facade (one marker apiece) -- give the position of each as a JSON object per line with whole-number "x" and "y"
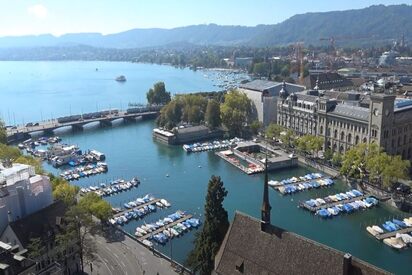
{"x": 387, "y": 121}
{"x": 264, "y": 96}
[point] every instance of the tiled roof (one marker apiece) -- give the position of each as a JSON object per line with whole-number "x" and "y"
{"x": 246, "y": 249}
{"x": 259, "y": 85}
{"x": 354, "y": 112}
{"x": 308, "y": 98}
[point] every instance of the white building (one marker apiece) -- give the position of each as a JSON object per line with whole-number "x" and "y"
{"x": 22, "y": 192}
{"x": 264, "y": 95}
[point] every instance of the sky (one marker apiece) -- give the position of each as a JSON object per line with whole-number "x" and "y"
{"x": 27, "y": 17}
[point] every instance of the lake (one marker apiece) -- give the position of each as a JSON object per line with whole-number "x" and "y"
{"x": 35, "y": 89}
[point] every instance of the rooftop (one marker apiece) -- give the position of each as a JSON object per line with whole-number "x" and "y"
{"x": 350, "y": 111}
{"x": 259, "y": 85}
{"x": 246, "y": 249}
{"x": 18, "y": 172}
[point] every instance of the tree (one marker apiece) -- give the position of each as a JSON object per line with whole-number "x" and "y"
{"x": 396, "y": 169}
{"x": 36, "y": 248}
{"x": 273, "y": 131}
{"x": 65, "y": 192}
{"x": 328, "y": 154}
{"x": 9, "y": 152}
{"x": 158, "y": 94}
{"x": 337, "y": 159}
{"x": 212, "y": 116}
{"x": 236, "y": 111}
{"x": 216, "y": 224}
{"x": 3, "y": 133}
{"x": 255, "y": 126}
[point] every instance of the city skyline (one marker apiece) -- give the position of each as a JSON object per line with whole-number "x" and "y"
{"x": 57, "y": 18}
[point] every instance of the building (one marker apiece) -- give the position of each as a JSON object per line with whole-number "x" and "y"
{"x": 22, "y": 192}
{"x": 13, "y": 261}
{"x": 253, "y": 246}
{"x": 345, "y": 123}
{"x": 182, "y": 135}
{"x": 327, "y": 81}
{"x": 44, "y": 224}
{"x": 264, "y": 95}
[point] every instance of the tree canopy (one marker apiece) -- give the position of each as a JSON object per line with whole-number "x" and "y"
{"x": 309, "y": 143}
{"x": 158, "y": 94}
{"x": 216, "y": 224}
{"x": 212, "y": 115}
{"x": 273, "y": 131}
{"x": 236, "y": 111}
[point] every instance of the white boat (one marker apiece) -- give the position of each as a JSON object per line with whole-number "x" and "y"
{"x": 165, "y": 203}
{"x": 395, "y": 242}
{"x": 371, "y": 231}
{"x": 377, "y": 229}
{"x": 147, "y": 243}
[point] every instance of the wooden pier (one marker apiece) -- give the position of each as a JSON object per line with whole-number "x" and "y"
{"x": 135, "y": 208}
{"x": 185, "y": 217}
{"x": 331, "y": 204}
{"x": 393, "y": 233}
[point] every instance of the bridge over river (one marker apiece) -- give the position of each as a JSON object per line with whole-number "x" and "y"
{"x": 76, "y": 122}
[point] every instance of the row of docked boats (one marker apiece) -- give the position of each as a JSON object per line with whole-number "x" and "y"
{"x": 399, "y": 240}
{"x": 347, "y": 207}
{"x": 334, "y": 198}
{"x": 170, "y": 227}
{"x": 215, "y": 145}
{"x": 146, "y": 199}
{"x": 297, "y": 187}
{"x": 294, "y": 180}
{"x": 33, "y": 143}
{"x": 114, "y": 187}
{"x": 84, "y": 171}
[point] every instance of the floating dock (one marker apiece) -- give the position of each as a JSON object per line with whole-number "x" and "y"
{"x": 185, "y": 217}
{"x": 393, "y": 233}
{"x": 331, "y": 204}
{"x": 135, "y": 208}
{"x": 282, "y": 188}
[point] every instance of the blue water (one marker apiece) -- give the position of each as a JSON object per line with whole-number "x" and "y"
{"x": 63, "y": 88}
{"x": 131, "y": 151}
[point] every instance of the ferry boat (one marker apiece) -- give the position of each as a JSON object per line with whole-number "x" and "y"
{"x": 121, "y": 78}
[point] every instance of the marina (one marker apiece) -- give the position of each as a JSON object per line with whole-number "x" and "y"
{"x": 131, "y": 151}
{"x": 210, "y": 146}
{"x": 394, "y": 233}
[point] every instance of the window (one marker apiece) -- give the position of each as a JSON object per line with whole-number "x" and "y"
{"x": 342, "y": 136}
{"x": 349, "y": 138}
{"x": 356, "y": 140}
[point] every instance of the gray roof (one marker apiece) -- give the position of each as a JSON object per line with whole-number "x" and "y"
{"x": 248, "y": 248}
{"x": 259, "y": 85}
{"x": 308, "y": 98}
{"x": 351, "y": 112}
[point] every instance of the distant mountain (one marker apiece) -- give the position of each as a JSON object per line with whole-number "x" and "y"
{"x": 372, "y": 25}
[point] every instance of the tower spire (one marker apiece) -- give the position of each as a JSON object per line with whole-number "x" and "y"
{"x": 265, "y": 205}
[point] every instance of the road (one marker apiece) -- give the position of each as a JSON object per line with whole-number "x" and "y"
{"x": 118, "y": 254}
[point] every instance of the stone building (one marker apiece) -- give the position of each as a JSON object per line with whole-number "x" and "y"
{"x": 264, "y": 95}
{"x": 387, "y": 120}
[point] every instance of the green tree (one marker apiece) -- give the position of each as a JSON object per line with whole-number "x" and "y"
{"x": 158, "y": 94}
{"x": 3, "y": 133}
{"x": 288, "y": 138}
{"x": 273, "y": 131}
{"x": 328, "y": 154}
{"x": 261, "y": 68}
{"x": 36, "y": 248}
{"x": 236, "y": 111}
{"x": 216, "y": 224}
{"x": 255, "y": 126}
{"x": 65, "y": 192}
{"x": 337, "y": 159}
{"x": 9, "y": 152}
{"x": 396, "y": 169}
{"x": 212, "y": 116}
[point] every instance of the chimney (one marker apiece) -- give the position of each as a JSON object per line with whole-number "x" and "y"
{"x": 265, "y": 222}
{"x": 9, "y": 216}
{"x": 347, "y": 262}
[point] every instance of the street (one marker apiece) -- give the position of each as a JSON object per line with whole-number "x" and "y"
{"x": 117, "y": 253}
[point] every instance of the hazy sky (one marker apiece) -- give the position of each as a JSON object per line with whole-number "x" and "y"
{"x": 18, "y": 17}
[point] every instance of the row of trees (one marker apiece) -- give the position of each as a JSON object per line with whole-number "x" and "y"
{"x": 369, "y": 161}
{"x": 235, "y": 111}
